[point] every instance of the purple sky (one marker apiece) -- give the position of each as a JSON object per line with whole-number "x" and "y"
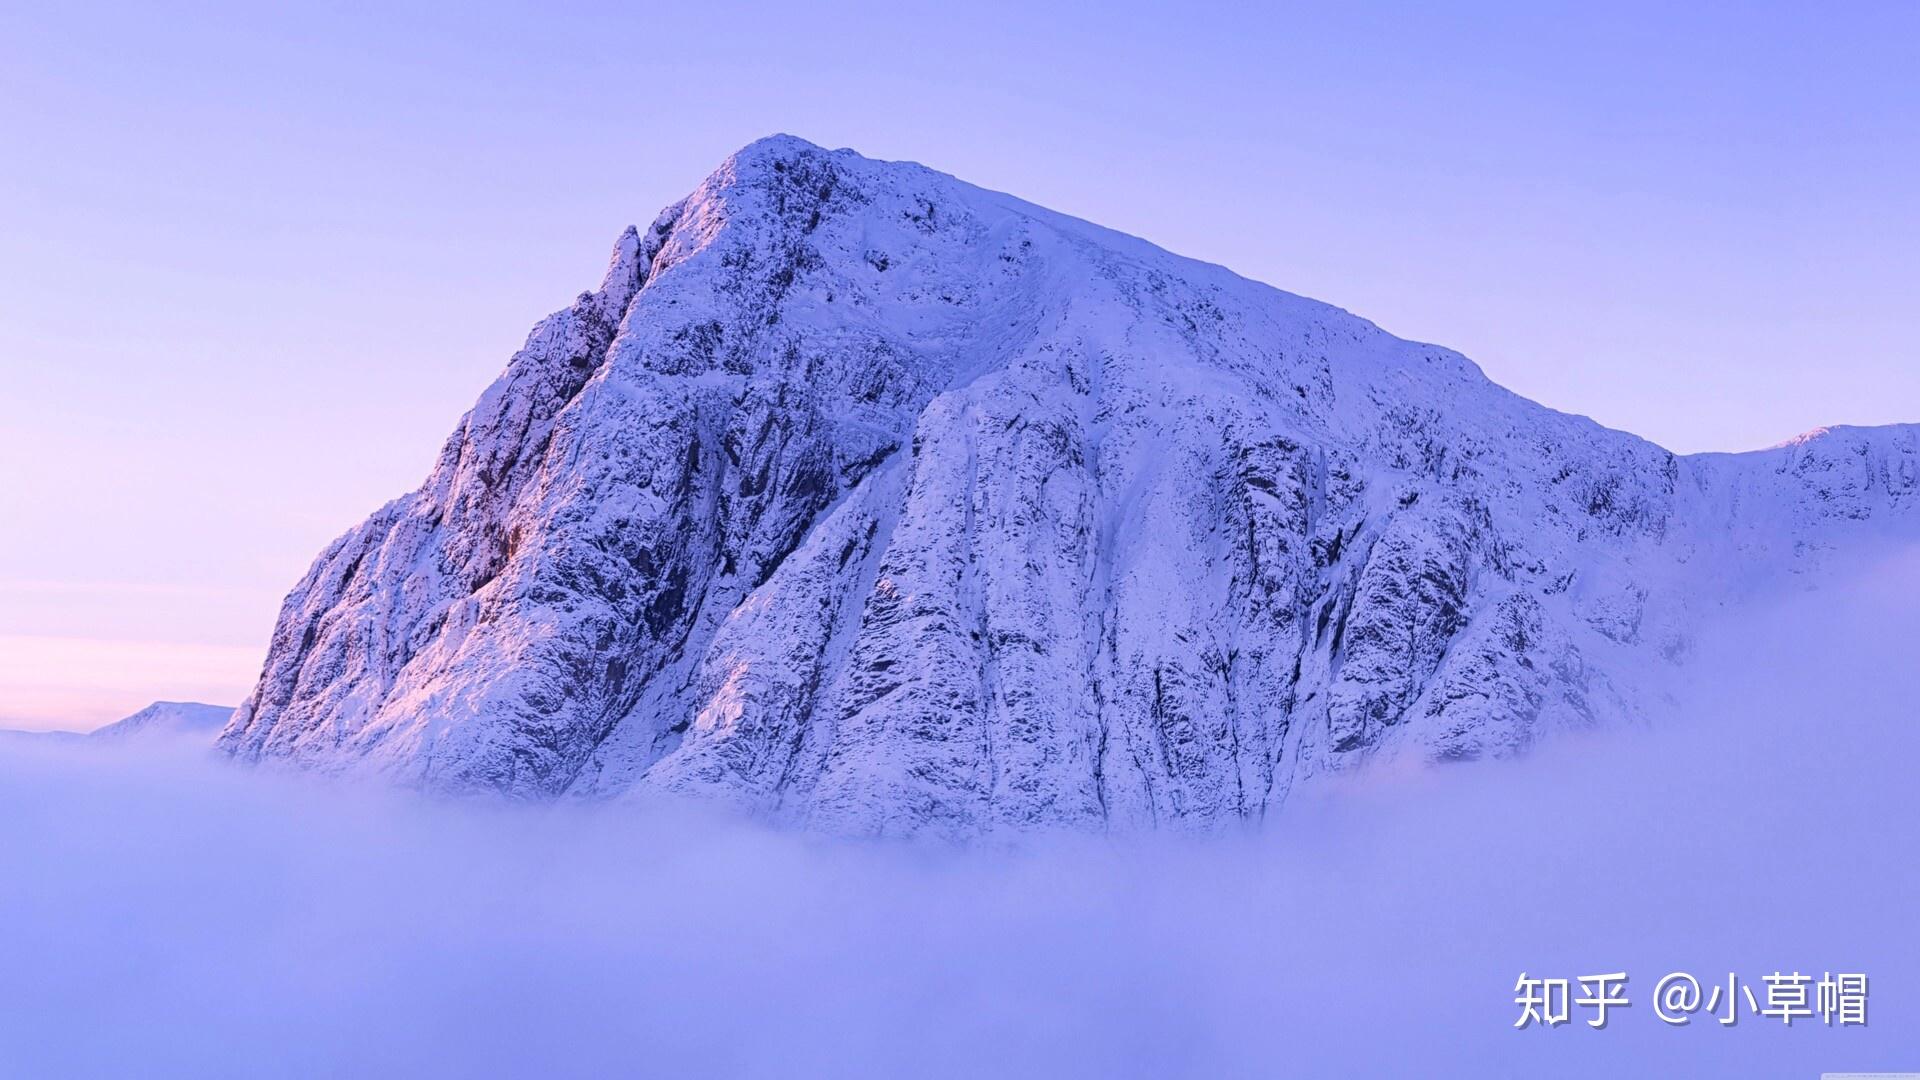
{"x": 256, "y": 265}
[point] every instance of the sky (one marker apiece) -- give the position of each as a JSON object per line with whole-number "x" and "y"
{"x": 254, "y": 264}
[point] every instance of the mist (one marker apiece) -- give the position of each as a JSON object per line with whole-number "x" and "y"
{"x": 166, "y": 914}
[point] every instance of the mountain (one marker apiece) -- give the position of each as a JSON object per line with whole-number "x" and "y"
{"x": 869, "y": 500}
{"x": 168, "y": 719}
{"x": 160, "y": 720}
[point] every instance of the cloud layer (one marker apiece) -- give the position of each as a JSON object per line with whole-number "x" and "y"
{"x": 164, "y": 915}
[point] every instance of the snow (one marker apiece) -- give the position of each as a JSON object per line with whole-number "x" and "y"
{"x": 184, "y": 719}
{"x": 188, "y": 721}
{"x": 879, "y": 503}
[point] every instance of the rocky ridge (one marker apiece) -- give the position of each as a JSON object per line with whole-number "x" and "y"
{"x": 872, "y": 501}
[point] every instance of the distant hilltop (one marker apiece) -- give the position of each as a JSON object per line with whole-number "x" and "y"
{"x": 160, "y": 720}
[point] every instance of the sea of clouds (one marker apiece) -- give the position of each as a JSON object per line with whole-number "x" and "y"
{"x": 163, "y": 914}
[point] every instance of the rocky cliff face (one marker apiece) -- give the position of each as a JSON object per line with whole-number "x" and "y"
{"x": 870, "y": 500}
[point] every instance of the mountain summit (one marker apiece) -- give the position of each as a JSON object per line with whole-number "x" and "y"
{"x": 181, "y": 719}
{"x": 870, "y": 500}
{"x": 187, "y": 721}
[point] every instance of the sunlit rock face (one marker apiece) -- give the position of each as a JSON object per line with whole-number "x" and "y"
{"x": 872, "y": 501}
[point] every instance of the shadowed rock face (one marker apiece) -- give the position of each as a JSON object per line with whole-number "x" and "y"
{"x": 870, "y": 500}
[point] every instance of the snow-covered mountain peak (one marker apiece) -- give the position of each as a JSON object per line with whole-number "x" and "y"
{"x": 870, "y": 499}
{"x": 187, "y": 721}
{"x": 168, "y": 718}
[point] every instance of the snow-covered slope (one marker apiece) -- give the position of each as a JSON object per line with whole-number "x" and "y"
{"x": 186, "y": 720}
{"x": 175, "y": 719}
{"x": 868, "y": 499}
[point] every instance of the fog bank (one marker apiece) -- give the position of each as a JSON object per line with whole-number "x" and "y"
{"x": 162, "y": 914}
